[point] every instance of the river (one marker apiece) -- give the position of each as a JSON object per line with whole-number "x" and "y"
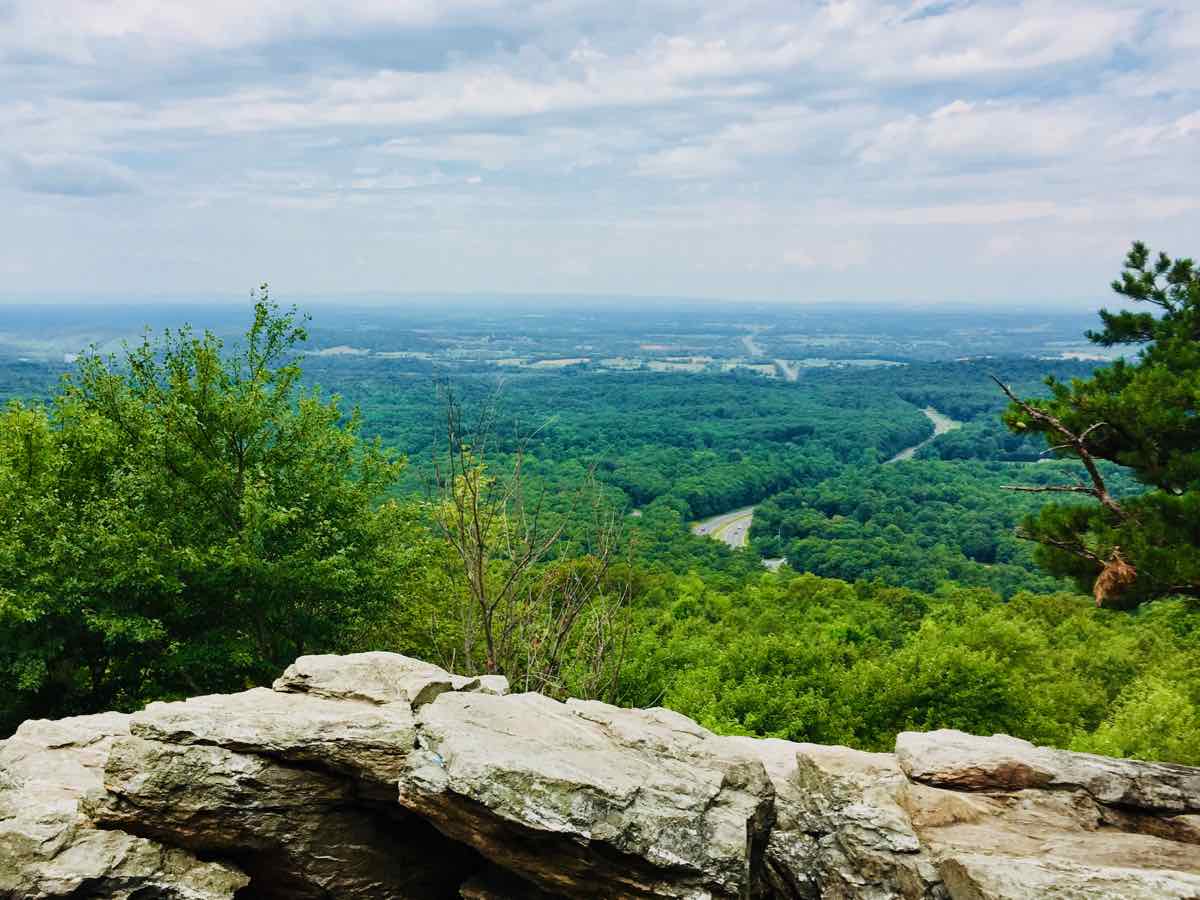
{"x": 733, "y": 527}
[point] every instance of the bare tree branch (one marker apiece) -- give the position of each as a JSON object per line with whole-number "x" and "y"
{"x": 1076, "y": 443}
{"x": 534, "y": 599}
{"x": 1050, "y": 488}
{"x": 1074, "y": 548}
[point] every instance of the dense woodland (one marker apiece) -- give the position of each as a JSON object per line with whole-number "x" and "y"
{"x": 190, "y": 515}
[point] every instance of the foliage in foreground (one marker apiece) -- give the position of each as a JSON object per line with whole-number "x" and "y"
{"x": 812, "y": 659}
{"x": 187, "y": 520}
{"x": 1142, "y": 415}
{"x": 537, "y": 606}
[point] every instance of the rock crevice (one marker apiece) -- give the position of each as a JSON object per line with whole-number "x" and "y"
{"x": 379, "y": 776}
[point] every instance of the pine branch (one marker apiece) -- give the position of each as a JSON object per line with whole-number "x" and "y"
{"x": 1050, "y": 488}
{"x": 1075, "y": 442}
{"x": 1075, "y": 549}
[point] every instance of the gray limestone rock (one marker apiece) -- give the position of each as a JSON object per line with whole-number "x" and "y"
{"x": 990, "y": 877}
{"x": 379, "y": 677}
{"x": 1050, "y": 842}
{"x": 953, "y": 759}
{"x": 840, "y": 829}
{"x": 369, "y": 742}
{"x": 379, "y": 776}
{"x": 587, "y": 800}
{"x": 298, "y": 832}
{"x": 50, "y": 848}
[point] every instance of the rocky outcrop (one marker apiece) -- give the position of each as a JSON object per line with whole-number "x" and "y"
{"x": 840, "y": 827}
{"x": 1024, "y": 821}
{"x": 379, "y": 776}
{"x": 956, "y": 760}
{"x": 306, "y": 809}
{"x": 50, "y": 848}
{"x": 380, "y": 678}
{"x": 588, "y": 800}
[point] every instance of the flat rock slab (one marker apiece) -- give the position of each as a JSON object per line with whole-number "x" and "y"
{"x": 379, "y": 677}
{"x": 954, "y": 759}
{"x": 300, "y": 788}
{"x": 49, "y": 847}
{"x": 988, "y": 877}
{"x": 369, "y": 741}
{"x": 588, "y": 800}
{"x": 1005, "y": 839}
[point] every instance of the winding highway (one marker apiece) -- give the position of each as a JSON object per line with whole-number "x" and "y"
{"x": 941, "y": 424}
{"x": 733, "y": 527}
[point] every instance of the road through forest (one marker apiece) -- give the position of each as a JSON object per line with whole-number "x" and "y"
{"x": 941, "y": 424}
{"x": 733, "y": 527}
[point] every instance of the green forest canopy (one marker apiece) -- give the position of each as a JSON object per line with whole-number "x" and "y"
{"x": 188, "y": 517}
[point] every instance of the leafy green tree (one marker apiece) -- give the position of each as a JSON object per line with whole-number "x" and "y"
{"x": 186, "y": 519}
{"x": 1141, "y": 415}
{"x": 1152, "y": 719}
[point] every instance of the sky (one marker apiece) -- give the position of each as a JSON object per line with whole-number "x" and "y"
{"x": 932, "y": 151}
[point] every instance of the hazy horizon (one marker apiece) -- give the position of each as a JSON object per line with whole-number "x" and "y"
{"x": 612, "y": 333}
{"x": 550, "y": 301}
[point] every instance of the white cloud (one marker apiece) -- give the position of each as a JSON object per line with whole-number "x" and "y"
{"x": 72, "y": 176}
{"x": 836, "y": 256}
{"x": 962, "y": 132}
{"x": 1006, "y": 245}
{"x": 783, "y": 132}
{"x": 402, "y": 99}
{"x": 968, "y": 213}
{"x": 557, "y": 148}
{"x": 687, "y": 162}
{"x": 700, "y": 147}
{"x": 78, "y": 29}
{"x": 1156, "y": 138}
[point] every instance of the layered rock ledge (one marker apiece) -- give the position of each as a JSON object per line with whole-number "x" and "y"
{"x": 379, "y": 776}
